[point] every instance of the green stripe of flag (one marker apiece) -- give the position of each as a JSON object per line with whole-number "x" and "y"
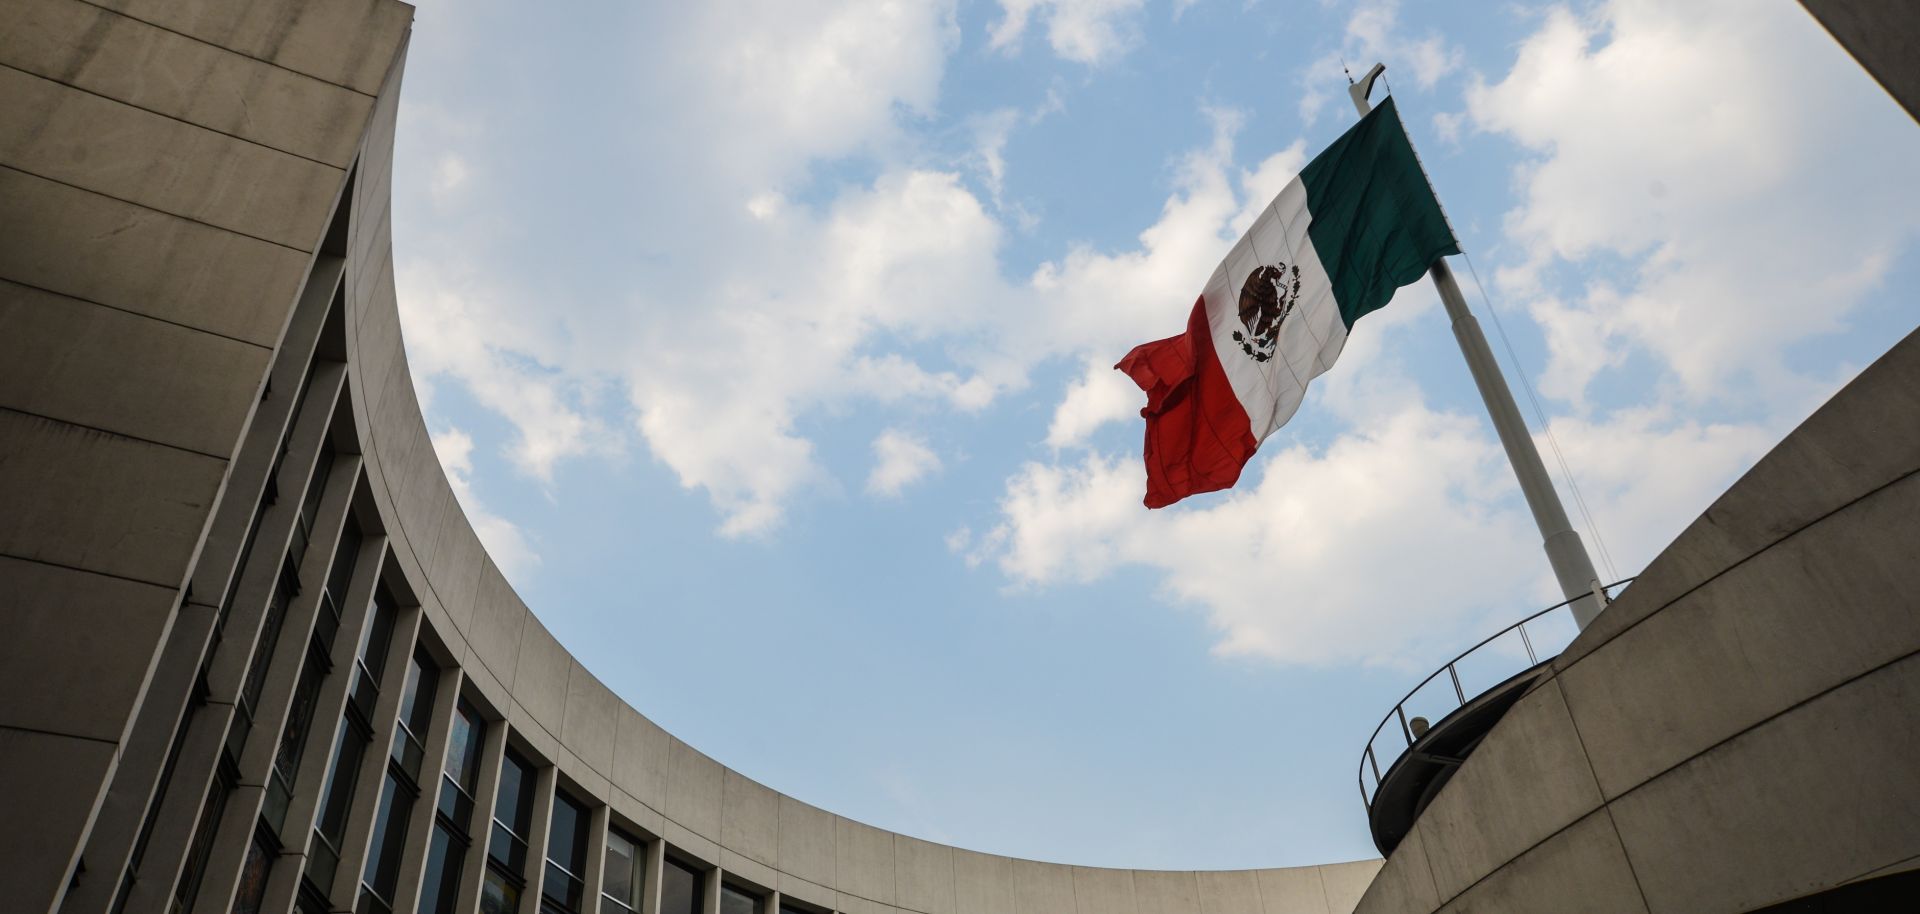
{"x": 1376, "y": 224}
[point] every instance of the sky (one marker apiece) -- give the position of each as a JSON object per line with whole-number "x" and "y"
{"x": 769, "y": 346}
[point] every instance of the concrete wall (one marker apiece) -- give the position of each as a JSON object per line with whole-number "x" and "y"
{"x": 1739, "y": 729}
{"x": 176, "y": 340}
{"x": 160, "y": 200}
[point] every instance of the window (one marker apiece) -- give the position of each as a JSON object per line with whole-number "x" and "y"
{"x": 310, "y": 505}
{"x": 293, "y": 738}
{"x": 462, "y": 776}
{"x": 564, "y": 886}
{"x": 371, "y": 658}
{"x": 382, "y": 873}
{"x": 626, "y": 872}
{"x": 383, "y": 855}
{"x": 334, "y": 594}
{"x": 284, "y": 589}
{"x": 507, "y": 851}
{"x": 350, "y": 745}
{"x": 253, "y": 873}
{"x": 453, "y": 813}
{"x": 679, "y": 889}
{"x": 441, "y": 885}
{"x": 188, "y": 885}
{"x": 737, "y": 901}
{"x": 416, "y": 712}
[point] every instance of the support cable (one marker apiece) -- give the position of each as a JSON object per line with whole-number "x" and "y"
{"x": 1559, "y": 456}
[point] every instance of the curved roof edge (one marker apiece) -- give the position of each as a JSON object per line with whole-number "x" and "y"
{"x": 645, "y": 775}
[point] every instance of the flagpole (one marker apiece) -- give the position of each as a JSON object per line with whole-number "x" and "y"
{"x": 1579, "y": 583}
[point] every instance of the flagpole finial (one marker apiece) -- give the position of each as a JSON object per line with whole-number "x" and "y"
{"x": 1360, "y": 90}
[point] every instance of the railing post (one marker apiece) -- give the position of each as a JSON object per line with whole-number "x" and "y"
{"x": 1406, "y": 731}
{"x": 1454, "y": 674}
{"x": 1531, "y": 660}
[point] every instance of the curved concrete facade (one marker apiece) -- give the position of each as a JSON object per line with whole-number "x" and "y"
{"x": 218, "y": 491}
{"x": 202, "y": 388}
{"x": 649, "y": 779}
{"x": 1739, "y": 729}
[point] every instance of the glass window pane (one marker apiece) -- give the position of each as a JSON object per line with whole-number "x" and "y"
{"x": 253, "y": 878}
{"x": 441, "y": 884}
{"x": 389, "y": 835}
{"x": 679, "y": 890}
{"x": 567, "y": 837}
{"x": 736, "y": 901}
{"x": 622, "y": 869}
{"x": 463, "y": 748}
{"x": 497, "y": 895}
{"x": 514, "y": 807}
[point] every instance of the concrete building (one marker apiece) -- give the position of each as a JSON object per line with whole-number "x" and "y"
{"x": 256, "y": 658}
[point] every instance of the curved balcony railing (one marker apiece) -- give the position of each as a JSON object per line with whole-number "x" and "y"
{"x": 1477, "y": 670}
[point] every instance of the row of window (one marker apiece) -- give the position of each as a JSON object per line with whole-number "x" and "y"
{"x": 507, "y": 832}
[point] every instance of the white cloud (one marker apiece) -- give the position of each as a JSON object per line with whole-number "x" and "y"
{"x": 1363, "y": 551}
{"x": 509, "y": 359}
{"x": 503, "y": 540}
{"x": 450, "y": 175}
{"x": 1747, "y": 199}
{"x": 900, "y": 459}
{"x": 912, "y": 256}
{"x": 1101, "y": 395}
{"x": 1083, "y": 31}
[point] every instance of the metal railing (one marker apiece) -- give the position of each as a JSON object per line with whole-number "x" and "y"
{"x": 1490, "y": 663}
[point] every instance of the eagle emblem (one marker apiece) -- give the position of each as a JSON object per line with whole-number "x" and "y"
{"x": 1266, "y": 299}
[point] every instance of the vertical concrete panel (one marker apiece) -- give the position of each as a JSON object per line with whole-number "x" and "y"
{"x": 455, "y": 573}
{"x": 923, "y": 875}
{"x": 982, "y": 883}
{"x": 588, "y": 727}
{"x": 1405, "y": 882}
{"x": 750, "y": 819}
{"x": 1103, "y": 891}
{"x": 1581, "y": 870}
{"x": 1295, "y": 890}
{"x": 498, "y": 617}
{"x": 806, "y": 841}
{"x": 1825, "y": 792}
{"x": 540, "y": 683}
{"x": 1229, "y": 892}
{"x": 694, "y": 786}
{"x": 863, "y": 860}
{"x": 1528, "y": 779}
{"x": 1346, "y": 882}
{"x": 1042, "y": 888}
{"x": 640, "y": 757}
{"x": 1166, "y": 892}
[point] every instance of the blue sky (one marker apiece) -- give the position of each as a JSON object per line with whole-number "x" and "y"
{"x": 769, "y": 346}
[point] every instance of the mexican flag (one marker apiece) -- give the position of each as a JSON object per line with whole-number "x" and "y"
{"x": 1358, "y": 223}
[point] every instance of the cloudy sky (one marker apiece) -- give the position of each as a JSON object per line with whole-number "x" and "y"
{"x": 769, "y": 345}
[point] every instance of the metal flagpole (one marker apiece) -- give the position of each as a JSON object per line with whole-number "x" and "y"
{"x": 1568, "y": 556}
